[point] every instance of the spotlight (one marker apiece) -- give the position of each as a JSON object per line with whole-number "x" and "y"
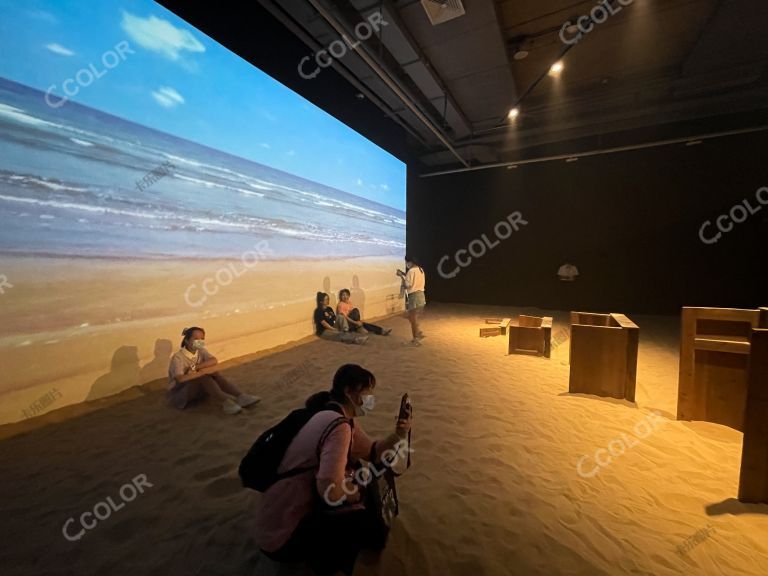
{"x": 514, "y": 113}
{"x": 556, "y": 68}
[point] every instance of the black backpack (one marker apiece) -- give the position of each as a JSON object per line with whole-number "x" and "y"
{"x": 258, "y": 469}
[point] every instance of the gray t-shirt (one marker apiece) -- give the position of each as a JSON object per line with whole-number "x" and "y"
{"x": 183, "y": 361}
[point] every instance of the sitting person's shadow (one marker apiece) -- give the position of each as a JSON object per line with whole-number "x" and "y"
{"x": 158, "y": 367}
{"x": 123, "y": 374}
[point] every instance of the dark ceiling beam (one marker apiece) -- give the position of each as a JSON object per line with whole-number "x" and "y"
{"x": 391, "y": 84}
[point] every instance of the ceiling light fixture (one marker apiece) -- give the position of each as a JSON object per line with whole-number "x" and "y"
{"x": 514, "y": 113}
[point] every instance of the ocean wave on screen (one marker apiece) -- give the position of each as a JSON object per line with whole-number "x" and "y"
{"x": 209, "y": 184}
{"x": 23, "y": 117}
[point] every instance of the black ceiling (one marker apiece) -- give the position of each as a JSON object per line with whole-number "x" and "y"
{"x": 438, "y": 95}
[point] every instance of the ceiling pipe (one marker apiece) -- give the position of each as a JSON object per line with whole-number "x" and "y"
{"x": 600, "y": 152}
{"x": 336, "y": 25}
{"x": 288, "y": 22}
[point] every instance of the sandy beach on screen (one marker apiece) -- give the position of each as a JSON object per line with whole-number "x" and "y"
{"x": 88, "y": 328}
{"x": 494, "y": 488}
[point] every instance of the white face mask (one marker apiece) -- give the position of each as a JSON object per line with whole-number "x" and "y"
{"x": 198, "y": 344}
{"x": 368, "y": 401}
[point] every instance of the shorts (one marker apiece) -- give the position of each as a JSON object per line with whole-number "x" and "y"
{"x": 415, "y": 300}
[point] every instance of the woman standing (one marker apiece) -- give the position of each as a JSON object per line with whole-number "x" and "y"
{"x": 414, "y": 283}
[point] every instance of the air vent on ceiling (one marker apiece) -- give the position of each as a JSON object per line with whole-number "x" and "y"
{"x": 440, "y": 11}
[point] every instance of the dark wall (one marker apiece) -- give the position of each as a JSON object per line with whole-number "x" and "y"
{"x": 630, "y": 223}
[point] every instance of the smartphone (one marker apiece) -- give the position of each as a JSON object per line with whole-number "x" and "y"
{"x": 406, "y": 410}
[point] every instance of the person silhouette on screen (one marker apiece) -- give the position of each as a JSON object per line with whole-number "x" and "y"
{"x": 358, "y": 295}
{"x": 327, "y": 291}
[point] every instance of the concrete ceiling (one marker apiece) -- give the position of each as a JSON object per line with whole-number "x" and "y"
{"x": 654, "y": 68}
{"x": 650, "y": 63}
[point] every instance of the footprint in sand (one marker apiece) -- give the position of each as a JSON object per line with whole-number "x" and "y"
{"x": 212, "y": 472}
{"x": 223, "y": 487}
{"x": 186, "y": 460}
{"x": 125, "y": 530}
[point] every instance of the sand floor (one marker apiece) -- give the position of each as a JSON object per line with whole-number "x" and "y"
{"x": 494, "y": 488}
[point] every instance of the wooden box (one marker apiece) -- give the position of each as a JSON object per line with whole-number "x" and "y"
{"x": 532, "y": 335}
{"x": 714, "y": 360}
{"x": 603, "y": 355}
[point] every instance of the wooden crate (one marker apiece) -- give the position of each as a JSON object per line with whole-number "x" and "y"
{"x": 603, "y": 355}
{"x": 532, "y": 335}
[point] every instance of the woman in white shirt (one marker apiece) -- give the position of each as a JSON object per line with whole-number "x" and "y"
{"x": 414, "y": 283}
{"x": 193, "y": 376}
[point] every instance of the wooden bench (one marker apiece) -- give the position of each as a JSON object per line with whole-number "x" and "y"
{"x": 603, "y": 355}
{"x": 532, "y": 335}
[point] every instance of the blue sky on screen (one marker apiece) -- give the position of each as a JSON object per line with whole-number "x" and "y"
{"x": 181, "y": 82}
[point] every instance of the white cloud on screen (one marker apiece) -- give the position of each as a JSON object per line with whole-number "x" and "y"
{"x": 167, "y": 97}
{"x": 59, "y": 49}
{"x": 42, "y": 15}
{"x": 160, "y": 36}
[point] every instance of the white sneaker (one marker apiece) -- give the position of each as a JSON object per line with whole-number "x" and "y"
{"x": 246, "y": 400}
{"x": 230, "y": 407}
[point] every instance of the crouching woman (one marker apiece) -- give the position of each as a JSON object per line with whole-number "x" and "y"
{"x": 317, "y": 515}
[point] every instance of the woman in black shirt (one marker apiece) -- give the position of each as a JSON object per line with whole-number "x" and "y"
{"x": 332, "y": 327}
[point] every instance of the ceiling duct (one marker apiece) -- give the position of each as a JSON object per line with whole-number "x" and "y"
{"x": 439, "y": 11}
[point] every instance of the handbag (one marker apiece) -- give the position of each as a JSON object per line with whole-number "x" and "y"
{"x": 381, "y": 502}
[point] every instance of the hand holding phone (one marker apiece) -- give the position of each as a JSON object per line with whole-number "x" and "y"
{"x": 406, "y": 409}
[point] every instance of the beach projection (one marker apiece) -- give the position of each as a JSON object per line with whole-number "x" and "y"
{"x": 150, "y": 180}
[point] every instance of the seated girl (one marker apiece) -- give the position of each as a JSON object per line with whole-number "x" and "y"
{"x": 346, "y": 309}
{"x": 331, "y": 327}
{"x": 193, "y": 376}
